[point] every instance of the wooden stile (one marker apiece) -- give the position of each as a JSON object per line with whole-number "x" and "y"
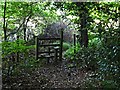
{"x": 57, "y": 51}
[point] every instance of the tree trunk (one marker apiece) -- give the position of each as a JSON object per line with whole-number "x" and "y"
{"x": 83, "y": 14}
{"x": 4, "y": 24}
{"x": 83, "y": 29}
{"x": 24, "y": 26}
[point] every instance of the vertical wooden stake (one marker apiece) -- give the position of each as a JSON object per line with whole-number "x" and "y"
{"x": 18, "y": 46}
{"x": 61, "y": 44}
{"x": 48, "y": 54}
{"x": 56, "y": 53}
{"x": 74, "y": 43}
{"x": 36, "y": 41}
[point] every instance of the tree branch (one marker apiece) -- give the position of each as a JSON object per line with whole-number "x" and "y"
{"x": 20, "y": 25}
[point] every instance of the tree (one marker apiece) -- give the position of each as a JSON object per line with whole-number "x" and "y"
{"x": 83, "y": 23}
{"x": 78, "y": 9}
{"x": 4, "y": 25}
{"x": 18, "y": 14}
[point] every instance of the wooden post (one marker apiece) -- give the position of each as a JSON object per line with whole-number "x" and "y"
{"x": 48, "y": 55}
{"x": 56, "y": 53}
{"x": 74, "y": 43}
{"x": 36, "y": 41}
{"x": 61, "y": 44}
{"x": 18, "y": 52}
{"x": 24, "y": 32}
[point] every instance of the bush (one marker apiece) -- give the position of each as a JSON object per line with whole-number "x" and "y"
{"x": 104, "y": 61}
{"x": 95, "y": 43}
{"x": 69, "y": 54}
{"x": 66, "y": 46}
{"x": 14, "y": 47}
{"x": 9, "y": 55}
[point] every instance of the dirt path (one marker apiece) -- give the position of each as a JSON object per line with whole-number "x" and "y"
{"x": 49, "y": 76}
{"x": 59, "y": 77}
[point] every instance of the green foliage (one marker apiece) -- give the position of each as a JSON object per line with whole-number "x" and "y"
{"x": 18, "y": 12}
{"x": 86, "y": 57}
{"x": 109, "y": 84}
{"x": 102, "y": 57}
{"x": 11, "y": 65}
{"x": 14, "y": 47}
{"x": 102, "y": 53}
{"x": 70, "y": 52}
{"x": 105, "y": 61}
{"x": 95, "y": 43}
{"x": 66, "y": 46}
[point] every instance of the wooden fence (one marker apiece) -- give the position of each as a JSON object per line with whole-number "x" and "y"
{"x": 54, "y": 50}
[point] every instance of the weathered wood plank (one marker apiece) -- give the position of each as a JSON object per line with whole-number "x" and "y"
{"x": 49, "y": 38}
{"x": 45, "y": 56}
{"x": 45, "y": 52}
{"x": 45, "y": 45}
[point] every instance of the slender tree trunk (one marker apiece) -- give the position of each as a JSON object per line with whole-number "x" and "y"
{"x": 24, "y": 26}
{"x": 84, "y": 31}
{"x": 4, "y": 24}
{"x": 83, "y": 13}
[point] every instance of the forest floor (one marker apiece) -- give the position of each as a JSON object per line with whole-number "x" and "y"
{"x": 49, "y": 76}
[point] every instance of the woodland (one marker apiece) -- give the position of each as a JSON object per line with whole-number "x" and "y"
{"x": 87, "y": 54}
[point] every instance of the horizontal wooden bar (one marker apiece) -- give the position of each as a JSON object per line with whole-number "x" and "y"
{"x": 48, "y": 45}
{"x": 49, "y": 38}
{"x": 46, "y": 52}
{"x": 45, "y": 56}
{"x": 56, "y": 48}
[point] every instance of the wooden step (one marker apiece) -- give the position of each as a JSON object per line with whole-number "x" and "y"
{"x": 46, "y": 56}
{"x": 45, "y": 45}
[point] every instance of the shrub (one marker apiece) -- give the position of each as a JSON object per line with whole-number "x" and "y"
{"x": 14, "y": 47}
{"x": 69, "y": 54}
{"x": 104, "y": 61}
{"x": 95, "y": 43}
{"x": 9, "y": 55}
{"x": 66, "y": 46}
